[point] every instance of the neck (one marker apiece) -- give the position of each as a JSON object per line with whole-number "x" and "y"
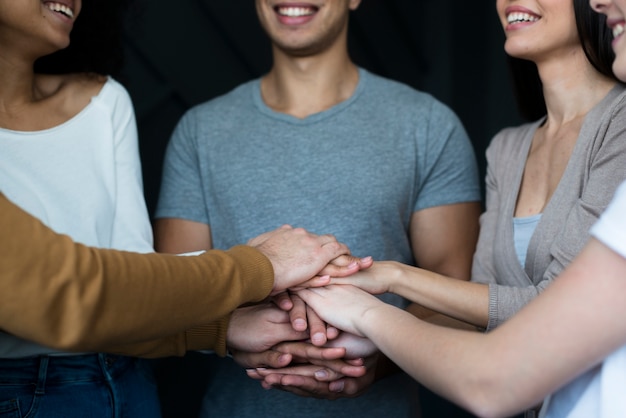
{"x": 571, "y": 87}
{"x": 17, "y": 84}
{"x": 302, "y": 86}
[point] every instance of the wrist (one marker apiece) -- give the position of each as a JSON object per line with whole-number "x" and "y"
{"x": 394, "y": 277}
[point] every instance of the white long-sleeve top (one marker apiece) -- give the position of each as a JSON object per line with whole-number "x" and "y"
{"x": 81, "y": 178}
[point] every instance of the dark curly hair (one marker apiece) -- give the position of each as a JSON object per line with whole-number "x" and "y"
{"x": 595, "y": 38}
{"x": 96, "y": 42}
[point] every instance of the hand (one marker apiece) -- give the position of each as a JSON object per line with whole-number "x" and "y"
{"x": 343, "y": 266}
{"x": 297, "y": 255}
{"x": 303, "y": 318}
{"x": 356, "y": 347}
{"x": 340, "y": 267}
{"x": 259, "y": 327}
{"x": 343, "y": 306}
{"x": 320, "y": 384}
{"x": 284, "y": 353}
{"x": 375, "y": 280}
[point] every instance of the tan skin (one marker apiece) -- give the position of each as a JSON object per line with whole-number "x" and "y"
{"x": 301, "y": 84}
{"x": 29, "y": 101}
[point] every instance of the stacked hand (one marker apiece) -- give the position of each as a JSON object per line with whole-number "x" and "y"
{"x": 326, "y": 362}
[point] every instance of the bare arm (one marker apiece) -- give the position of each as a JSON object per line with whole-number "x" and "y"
{"x": 474, "y": 369}
{"x": 176, "y": 236}
{"x": 444, "y": 239}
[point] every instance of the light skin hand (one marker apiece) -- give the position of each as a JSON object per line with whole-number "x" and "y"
{"x": 340, "y": 305}
{"x": 376, "y": 280}
{"x": 343, "y": 266}
{"x": 356, "y": 347}
{"x": 297, "y": 255}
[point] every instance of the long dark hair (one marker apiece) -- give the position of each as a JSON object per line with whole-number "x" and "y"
{"x": 96, "y": 44}
{"x": 595, "y": 38}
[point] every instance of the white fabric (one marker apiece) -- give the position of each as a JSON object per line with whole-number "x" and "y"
{"x": 599, "y": 393}
{"x": 81, "y": 178}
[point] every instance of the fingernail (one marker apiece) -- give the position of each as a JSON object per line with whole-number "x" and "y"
{"x": 319, "y": 338}
{"x": 284, "y": 357}
{"x": 366, "y": 259}
{"x": 321, "y": 374}
{"x": 336, "y": 386}
{"x": 299, "y": 324}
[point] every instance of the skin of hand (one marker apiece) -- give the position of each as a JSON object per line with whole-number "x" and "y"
{"x": 378, "y": 279}
{"x": 291, "y": 352}
{"x": 318, "y": 383}
{"x": 259, "y": 327}
{"x": 335, "y": 378}
{"x": 297, "y": 255}
{"x": 341, "y": 305}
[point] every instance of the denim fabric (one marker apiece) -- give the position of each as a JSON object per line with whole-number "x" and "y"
{"x": 83, "y": 386}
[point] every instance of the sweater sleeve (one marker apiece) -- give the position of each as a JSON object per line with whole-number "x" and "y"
{"x": 72, "y": 297}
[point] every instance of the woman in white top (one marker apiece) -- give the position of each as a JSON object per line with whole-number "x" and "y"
{"x": 70, "y": 157}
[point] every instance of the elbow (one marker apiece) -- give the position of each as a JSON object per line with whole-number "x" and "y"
{"x": 489, "y": 398}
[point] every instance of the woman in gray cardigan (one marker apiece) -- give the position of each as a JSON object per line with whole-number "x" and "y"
{"x": 547, "y": 181}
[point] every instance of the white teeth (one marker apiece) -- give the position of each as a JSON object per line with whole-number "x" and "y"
{"x": 57, "y": 7}
{"x": 517, "y": 17}
{"x": 618, "y": 30}
{"x": 295, "y": 11}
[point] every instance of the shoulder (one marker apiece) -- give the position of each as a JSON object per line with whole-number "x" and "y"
{"x": 236, "y": 99}
{"x": 392, "y": 91}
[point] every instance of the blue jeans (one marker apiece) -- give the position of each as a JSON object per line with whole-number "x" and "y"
{"x": 82, "y": 386}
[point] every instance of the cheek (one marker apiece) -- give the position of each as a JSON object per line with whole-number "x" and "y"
{"x": 619, "y": 66}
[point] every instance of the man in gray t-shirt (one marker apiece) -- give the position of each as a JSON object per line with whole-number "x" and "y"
{"x": 321, "y": 144}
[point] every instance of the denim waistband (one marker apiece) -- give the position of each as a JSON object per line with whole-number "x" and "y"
{"x": 62, "y": 369}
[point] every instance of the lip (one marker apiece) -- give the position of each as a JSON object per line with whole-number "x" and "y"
{"x": 67, "y": 3}
{"x": 302, "y": 12}
{"x": 614, "y": 23}
{"x": 522, "y": 24}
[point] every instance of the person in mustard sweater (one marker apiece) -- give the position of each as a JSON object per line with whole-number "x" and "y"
{"x": 72, "y": 297}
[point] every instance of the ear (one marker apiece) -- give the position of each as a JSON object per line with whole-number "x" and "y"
{"x": 354, "y": 4}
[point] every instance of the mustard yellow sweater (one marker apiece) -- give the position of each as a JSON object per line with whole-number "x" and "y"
{"x": 76, "y": 298}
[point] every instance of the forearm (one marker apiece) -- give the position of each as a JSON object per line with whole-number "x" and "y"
{"x": 449, "y": 362}
{"x": 465, "y": 301}
{"x": 72, "y": 297}
{"x": 209, "y": 337}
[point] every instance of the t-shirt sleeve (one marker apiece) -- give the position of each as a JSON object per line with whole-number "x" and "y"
{"x": 611, "y": 228}
{"x": 181, "y": 194}
{"x": 447, "y": 167}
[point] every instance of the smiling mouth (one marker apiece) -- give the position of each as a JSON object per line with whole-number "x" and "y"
{"x": 60, "y": 8}
{"x": 519, "y": 17}
{"x": 293, "y": 11}
{"x": 618, "y": 30}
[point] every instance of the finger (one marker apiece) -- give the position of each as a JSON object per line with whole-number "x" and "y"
{"x": 269, "y": 358}
{"x": 346, "y": 265}
{"x": 307, "y": 351}
{"x": 317, "y": 327}
{"x": 300, "y": 385}
{"x": 317, "y": 281}
{"x": 297, "y": 314}
{"x": 327, "y": 370}
{"x": 283, "y": 301}
{"x": 311, "y": 370}
{"x": 332, "y": 332}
